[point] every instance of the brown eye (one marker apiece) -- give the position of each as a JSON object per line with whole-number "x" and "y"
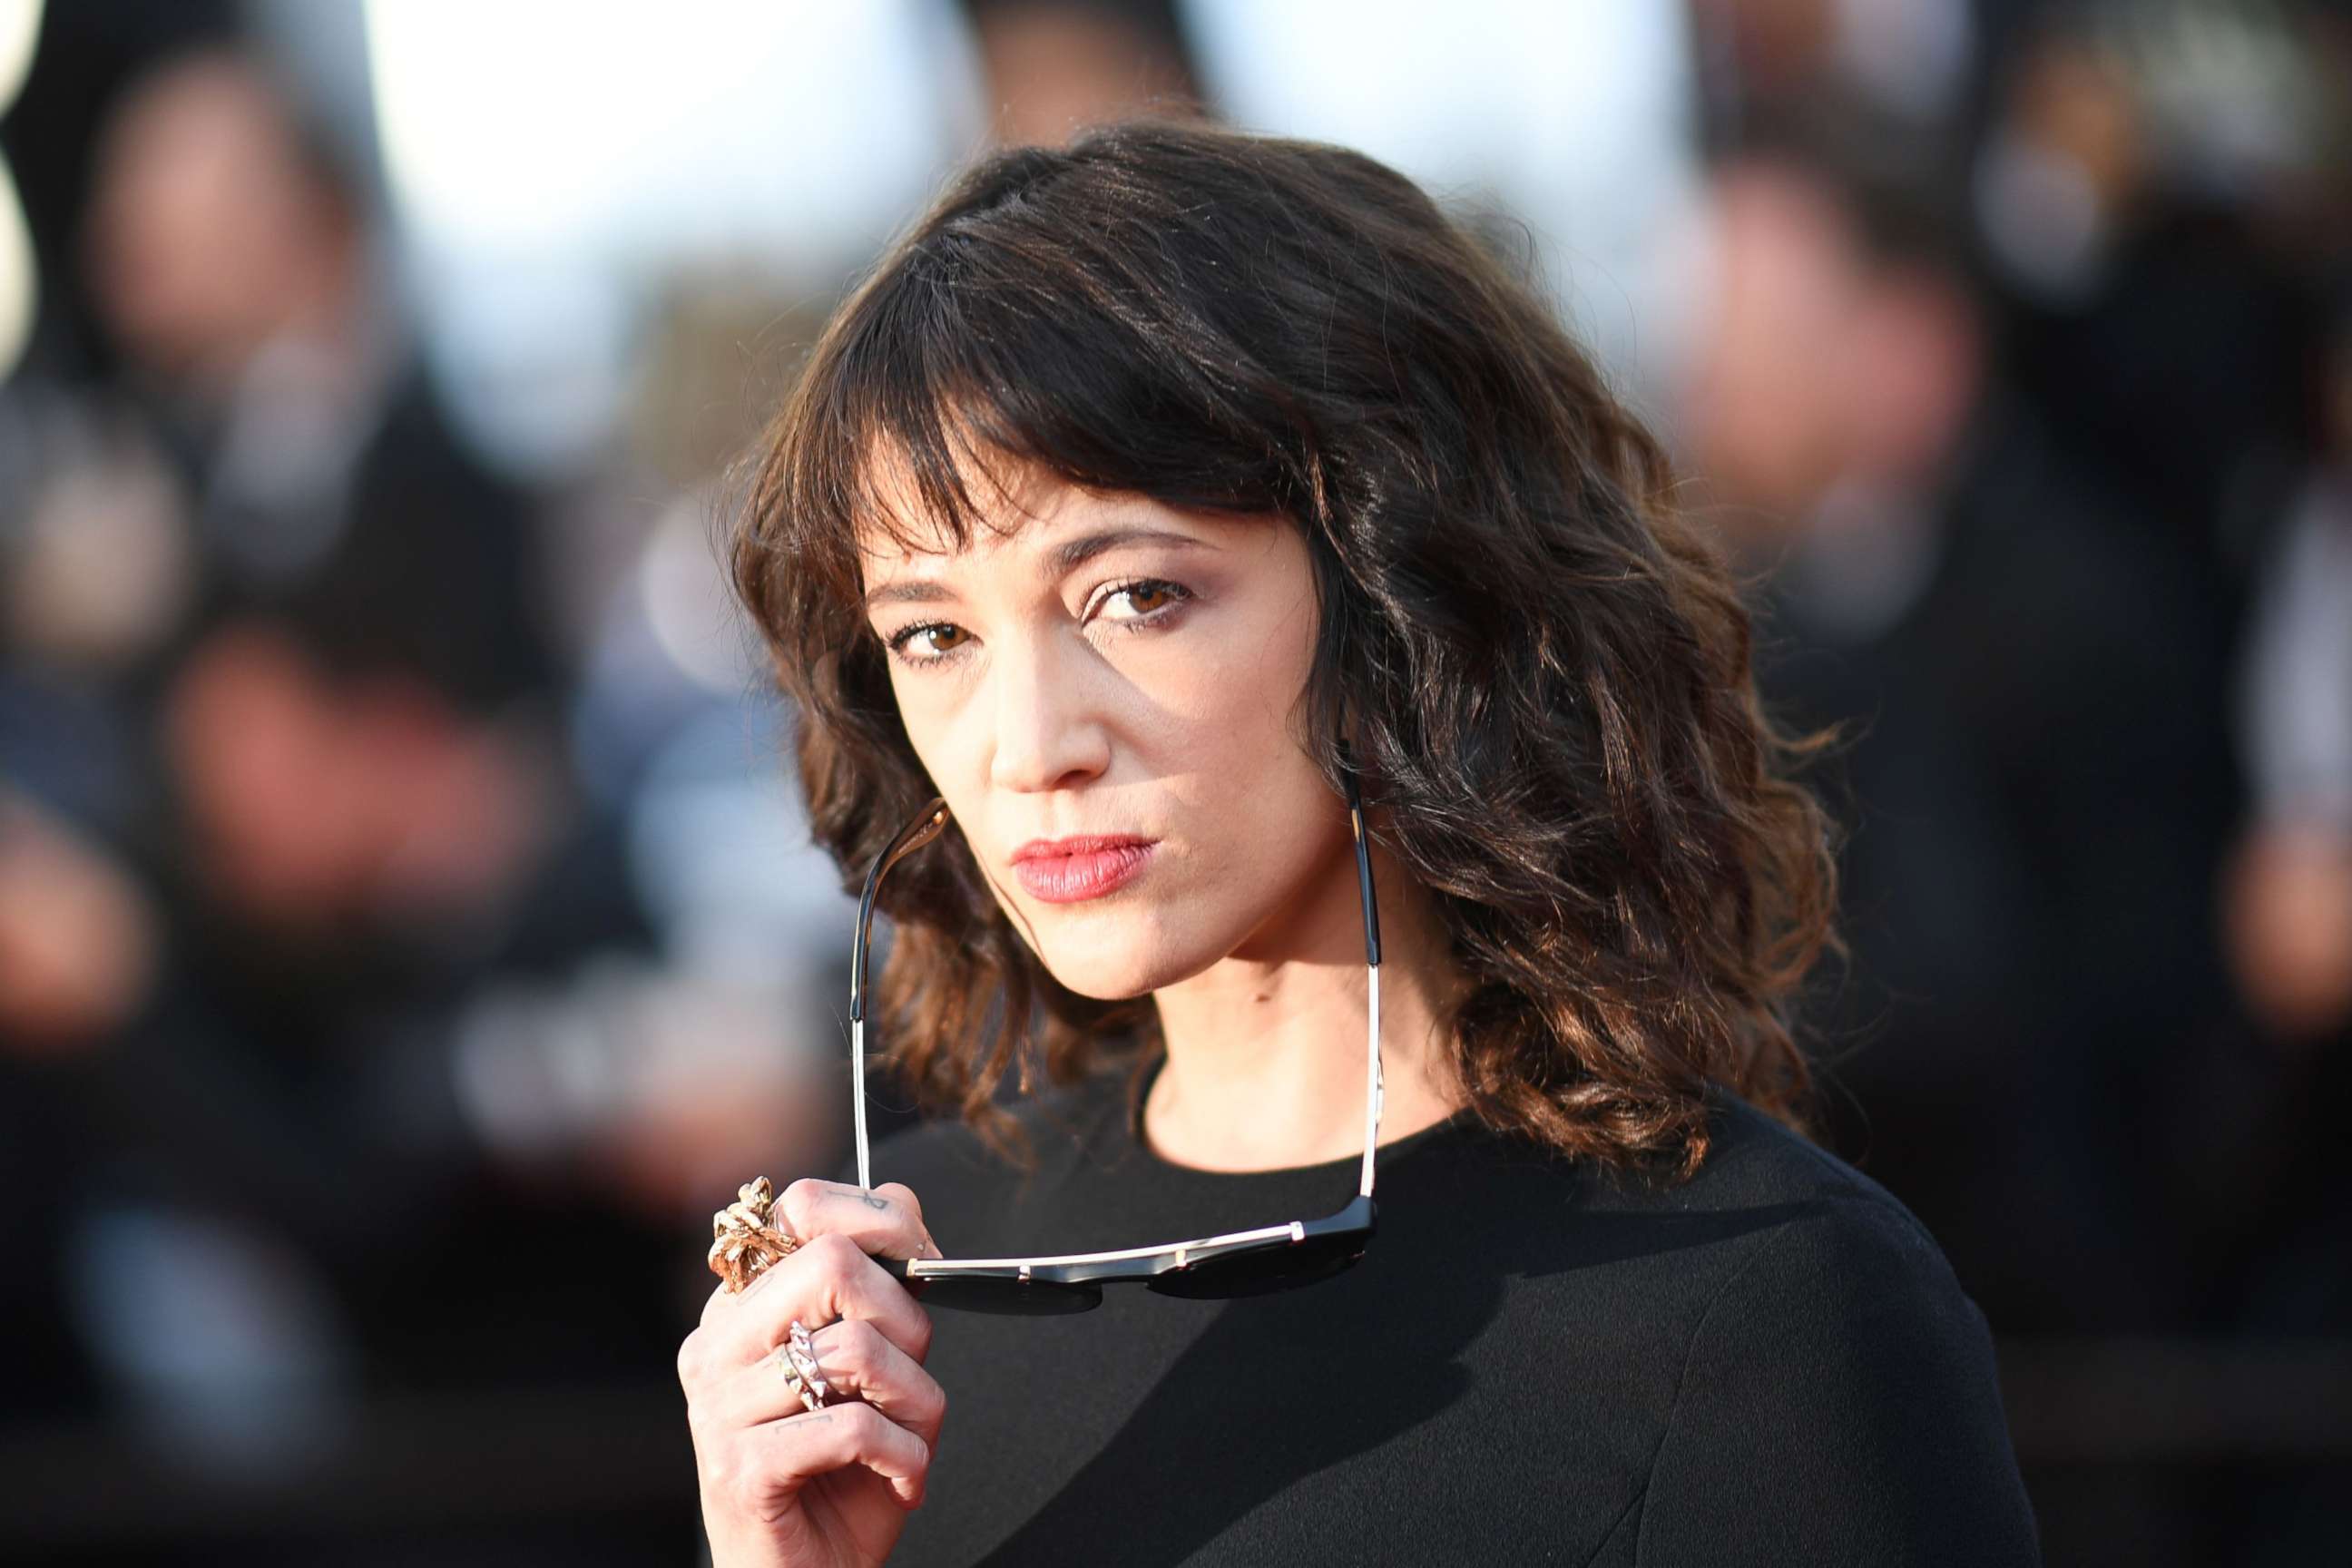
{"x": 929, "y": 642}
{"x": 1143, "y": 599}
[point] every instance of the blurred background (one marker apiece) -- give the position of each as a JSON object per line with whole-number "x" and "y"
{"x": 408, "y": 933}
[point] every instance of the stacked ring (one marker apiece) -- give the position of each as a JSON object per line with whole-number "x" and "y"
{"x": 746, "y": 1239}
{"x": 796, "y": 1358}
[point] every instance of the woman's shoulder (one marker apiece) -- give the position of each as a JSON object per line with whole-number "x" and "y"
{"x": 1753, "y": 1159}
{"x": 1832, "y": 1342}
{"x": 1811, "y": 1237}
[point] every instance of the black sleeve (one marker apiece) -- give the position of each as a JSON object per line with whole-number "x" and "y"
{"x": 1838, "y": 1405}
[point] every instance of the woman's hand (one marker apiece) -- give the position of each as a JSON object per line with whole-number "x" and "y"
{"x": 784, "y": 1485}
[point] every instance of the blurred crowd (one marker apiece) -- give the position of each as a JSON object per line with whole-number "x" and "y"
{"x": 2030, "y": 406}
{"x": 400, "y": 952}
{"x": 409, "y": 935}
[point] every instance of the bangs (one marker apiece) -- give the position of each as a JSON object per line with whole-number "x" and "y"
{"x": 968, "y": 368}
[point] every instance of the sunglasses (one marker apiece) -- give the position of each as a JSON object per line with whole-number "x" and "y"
{"x": 1235, "y": 1263}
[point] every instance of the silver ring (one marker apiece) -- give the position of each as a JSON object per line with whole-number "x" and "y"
{"x": 796, "y": 1358}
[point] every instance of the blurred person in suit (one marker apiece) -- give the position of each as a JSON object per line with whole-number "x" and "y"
{"x": 2031, "y": 711}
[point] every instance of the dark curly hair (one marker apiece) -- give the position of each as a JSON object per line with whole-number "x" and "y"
{"x": 1543, "y": 665}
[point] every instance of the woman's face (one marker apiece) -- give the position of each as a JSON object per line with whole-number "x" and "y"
{"x": 1115, "y": 672}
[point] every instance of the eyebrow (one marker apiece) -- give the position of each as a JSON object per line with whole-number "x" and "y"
{"x": 1065, "y": 557}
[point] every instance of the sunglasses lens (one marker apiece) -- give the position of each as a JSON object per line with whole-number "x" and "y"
{"x": 1260, "y": 1271}
{"x": 1009, "y": 1298}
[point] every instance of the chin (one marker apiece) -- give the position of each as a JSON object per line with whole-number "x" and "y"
{"x": 1120, "y": 961}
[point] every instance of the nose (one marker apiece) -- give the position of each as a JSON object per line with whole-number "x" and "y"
{"x": 1048, "y": 733}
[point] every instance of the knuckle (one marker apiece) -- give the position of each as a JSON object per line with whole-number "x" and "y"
{"x": 902, "y": 1195}
{"x": 862, "y": 1344}
{"x": 690, "y": 1353}
{"x": 799, "y": 1204}
{"x": 875, "y": 1431}
{"x": 918, "y": 1334}
{"x": 836, "y": 1255}
{"x": 863, "y": 1424}
{"x": 747, "y": 1487}
{"x": 720, "y": 1470}
{"x": 927, "y": 1402}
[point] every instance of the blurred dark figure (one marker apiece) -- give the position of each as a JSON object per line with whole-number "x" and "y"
{"x": 1913, "y": 61}
{"x": 291, "y": 795}
{"x": 2277, "y": 1231}
{"x": 2158, "y": 192}
{"x": 1050, "y": 67}
{"x": 84, "y": 55}
{"x": 2068, "y": 935}
{"x": 2031, "y": 781}
{"x": 230, "y": 259}
{"x": 2289, "y": 913}
{"x": 2037, "y": 1047}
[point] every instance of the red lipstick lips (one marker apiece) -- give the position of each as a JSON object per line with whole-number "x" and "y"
{"x": 1071, "y": 870}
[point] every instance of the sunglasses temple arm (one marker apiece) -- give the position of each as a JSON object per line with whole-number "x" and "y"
{"x": 858, "y": 1076}
{"x": 1372, "y": 1085}
{"x": 910, "y": 838}
{"x": 1372, "y": 1080}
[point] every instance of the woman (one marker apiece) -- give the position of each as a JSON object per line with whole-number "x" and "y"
{"x": 1150, "y": 496}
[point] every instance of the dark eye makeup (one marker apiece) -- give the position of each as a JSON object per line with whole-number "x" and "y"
{"x": 1170, "y": 593}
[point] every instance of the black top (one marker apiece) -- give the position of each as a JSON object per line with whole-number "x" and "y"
{"x": 1532, "y": 1363}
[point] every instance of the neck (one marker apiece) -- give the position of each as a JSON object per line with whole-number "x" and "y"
{"x": 1266, "y": 1051}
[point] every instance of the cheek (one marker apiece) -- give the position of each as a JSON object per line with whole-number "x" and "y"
{"x": 1247, "y": 781}
{"x": 1244, "y": 694}
{"x": 931, "y": 731}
